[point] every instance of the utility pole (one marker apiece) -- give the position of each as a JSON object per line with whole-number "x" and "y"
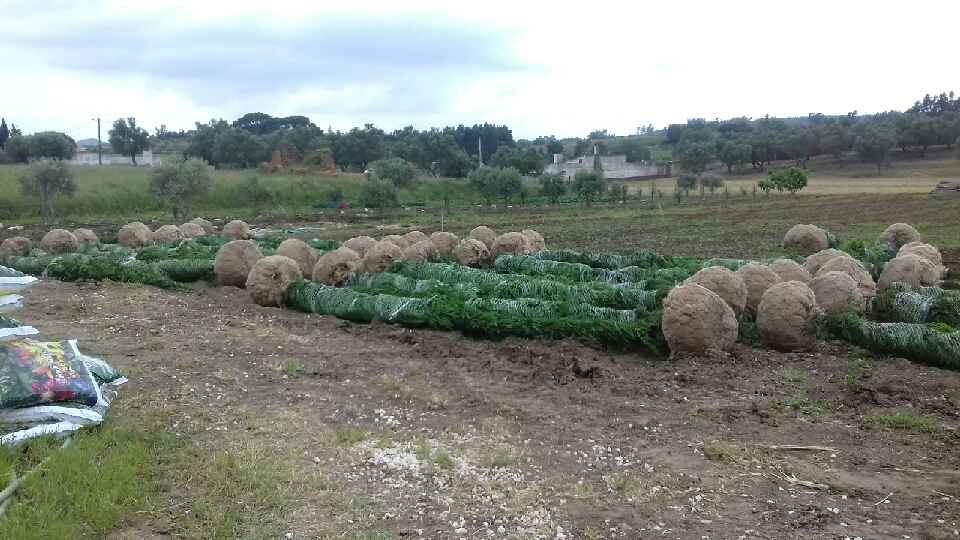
{"x": 99, "y": 143}
{"x": 480, "y": 150}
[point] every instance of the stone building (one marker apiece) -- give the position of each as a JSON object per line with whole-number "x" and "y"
{"x": 614, "y": 167}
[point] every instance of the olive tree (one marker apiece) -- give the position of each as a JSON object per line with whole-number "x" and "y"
{"x": 48, "y": 178}
{"x": 128, "y": 139}
{"x": 588, "y": 185}
{"x": 552, "y": 187}
{"x": 178, "y": 185}
{"x": 397, "y": 170}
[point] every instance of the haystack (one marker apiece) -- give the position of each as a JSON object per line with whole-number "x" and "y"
{"x": 86, "y": 236}
{"x": 381, "y": 257}
{"x": 789, "y": 270}
{"x": 758, "y": 278}
{"x": 234, "y": 261}
{"x": 167, "y": 234}
{"x": 898, "y": 235}
{"x": 335, "y": 268}
{"x": 134, "y": 235}
{"x": 787, "y": 315}
{"x": 837, "y": 292}
{"x": 421, "y": 252}
{"x": 59, "y": 241}
{"x": 696, "y": 320}
{"x": 806, "y": 239}
{"x": 299, "y": 251}
{"x": 16, "y": 246}
{"x": 725, "y": 283}
{"x": 270, "y": 277}
{"x": 445, "y": 242}
{"x": 472, "y": 252}
{"x": 360, "y": 244}
{"x": 237, "y": 229}
{"x": 484, "y": 234}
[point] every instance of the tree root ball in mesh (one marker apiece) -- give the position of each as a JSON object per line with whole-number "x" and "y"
{"x": 237, "y": 229}
{"x": 360, "y": 244}
{"x": 234, "y": 261}
{"x": 511, "y": 243}
{"x": 696, "y": 320}
{"x": 818, "y": 259}
{"x": 854, "y": 269}
{"x": 167, "y": 234}
{"x": 16, "y": 246}
{"x": 725, "y": 283}
{"x": 911, "y": 270}
{"x": 421, "y": 252}
{"x": 270, "y": 277}
{"x": 134, "y": 235}
{"x": 484, "y": 234}
{"x": 413, "y": 237}
{"x": 192, "y": 230}
{"x": 204, "y": 224}
{"x": 59, "y": 241}
{"x": 758, "y": 278}
{"x": 837, "y": 292}
{"x": 299, "y": 251}
{"x": 381, "y": 257}
{"x": 898, "y": 235}
{"x": 534, "y": 240}
{"x": 790, "y": 270}
{"x": 787, "y": 315}
{"x": 471, "y": 252}
{"x": 926, "y": 251}
{"x": 806, "y": 239}
{"x": 86, "y": 236}
{"x": 335, "y": 268}
{"x": 445, "y": 242}
{"x": 398, "y": 240}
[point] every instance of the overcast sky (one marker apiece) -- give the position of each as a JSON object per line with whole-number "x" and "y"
{"x": 540, "y": 67}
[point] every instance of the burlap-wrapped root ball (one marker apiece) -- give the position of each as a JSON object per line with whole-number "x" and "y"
{"x": 413, "y": 237}
{"x": 787, "y": 316}
{"x": 360, "y": 244}
{"x": 471, "y": 252}
{"x": 381, "y": 257}
{"x": 854, "y": 269}
{"x": 725, "y": 283}
{"x": 237, "y": 229}
{"x": 168, "y": 234}
{"x": 135, "y": 235}
{"x": 789, "y": 270}
{"x": 511, "y": 243}
{"x": 534, "y": 240}
{"x": 421, "y": 252}
{"x": 818, "y": 259}
{"x": 921, "y": 249}
{"x": 445, "y": 242}
{"x": 397, "y": 240}
{"x": 234, "y": 261}
{"x": 270, "y": 277}
{"x": 335, "y": 268}
{"x": 806, "y": 239}
{"x": 16, "y": 246}
{"x": 299, "y": 251}
{"x": 192, "y": 230}
{"x": 484, "y": 234}
{"x": 696, "y": 320}
{"x": 86, "y": 236}
{"x": 59, "y": 241}
{"x": 204, "y": 224}
{"x": 912, "y": 270}
{"x": 758, "y": 278}
{"x": 837, "y": 292}
{"x": 898, "y": 235}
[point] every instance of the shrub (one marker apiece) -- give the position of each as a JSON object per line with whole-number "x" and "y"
{"x": 711, "y": 182}
{"x": 791, "y": 179}
{"x": 588, "y": 185}
{"x": 496, "y": 183}
{"x": 48, "y": 179}
{"x": 177, "y": 185}
{"x": 254, "y": 193}
{"x": 397, "y": 170}
{"x": 687, "y": 181}
{"x": 552, "y": 187}
{"x": 379, "y": 194}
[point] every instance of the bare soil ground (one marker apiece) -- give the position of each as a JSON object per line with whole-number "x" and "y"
{"x": 394, "y": 433}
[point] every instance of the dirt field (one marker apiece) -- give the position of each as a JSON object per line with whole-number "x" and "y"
{"x": 390, "y": 433}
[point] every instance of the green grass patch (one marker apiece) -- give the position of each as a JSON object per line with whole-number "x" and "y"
{"x": 721, "y": 452}
{"x": 903, "y": 421}
{"x": 804, "y": 405}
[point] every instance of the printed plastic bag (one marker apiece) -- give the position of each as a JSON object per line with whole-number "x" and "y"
{"x": 36, "y": 373}
{"x": 14, "y": 329}
{"x": 13, "y": 280}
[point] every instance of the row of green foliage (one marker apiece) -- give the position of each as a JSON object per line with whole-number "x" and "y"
{"x": 582, "y": 273}
{"x": 873, "y": 257}
{"x": 936, "y": 344}
{"x": 167, "y": 274}
{"x": 481, "y": 317}
{"x": 900, "y": 303}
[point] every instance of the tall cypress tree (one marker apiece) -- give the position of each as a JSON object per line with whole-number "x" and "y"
{"x": 4, "y": 133}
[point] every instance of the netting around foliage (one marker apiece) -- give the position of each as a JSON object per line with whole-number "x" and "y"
{"x": 114, "y": 266}
{"x": 930, "y": 343}
{"x": 900, "y": 303}
{"x": 609, "y": 261}
{"x": 581, "y": 273}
